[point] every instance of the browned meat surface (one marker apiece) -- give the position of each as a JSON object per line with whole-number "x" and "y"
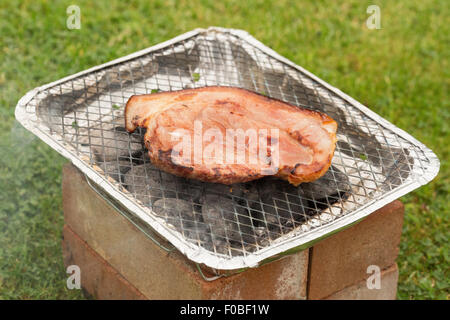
{"x": 298, "y": 146}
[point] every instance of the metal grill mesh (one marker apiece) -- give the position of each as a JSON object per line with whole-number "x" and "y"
{"x": 85, "y": 114}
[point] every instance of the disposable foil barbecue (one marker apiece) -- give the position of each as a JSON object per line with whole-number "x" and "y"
{"x": 224, "y": 226}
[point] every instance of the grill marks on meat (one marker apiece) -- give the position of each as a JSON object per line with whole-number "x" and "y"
{"x": 306, "y": 139}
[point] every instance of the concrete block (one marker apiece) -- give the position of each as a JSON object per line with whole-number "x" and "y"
{"x": 360, "y": 290}
{"x": 98, "y": 278}
{"x": 342, "y": 259}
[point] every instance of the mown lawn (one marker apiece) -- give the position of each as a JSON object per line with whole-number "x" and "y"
{"x": 400, "y": 71}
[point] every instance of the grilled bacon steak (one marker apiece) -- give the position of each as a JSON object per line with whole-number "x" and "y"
{"x": 229, "y": 135}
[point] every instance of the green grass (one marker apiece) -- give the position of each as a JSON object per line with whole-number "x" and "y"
{"x": 401, "y": 72}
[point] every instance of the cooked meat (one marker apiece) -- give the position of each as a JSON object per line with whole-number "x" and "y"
{"x": 293, "y": 144}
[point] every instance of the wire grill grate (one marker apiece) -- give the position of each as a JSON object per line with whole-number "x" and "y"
{"x": 214, "y": 224}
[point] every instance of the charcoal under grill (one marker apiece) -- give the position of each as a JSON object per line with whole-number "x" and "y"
{"x": 224, "y": 227}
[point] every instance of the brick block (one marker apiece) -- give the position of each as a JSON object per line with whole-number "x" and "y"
{"x": 360, "y": 291}
{"x": 282, "y": 279}
{"x": 98, "y": 278}
{"x": 342, "y": 259}
{"x": 159, "y": 275}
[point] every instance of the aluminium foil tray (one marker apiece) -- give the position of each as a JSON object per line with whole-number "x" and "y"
{"x": 81, "y": 117}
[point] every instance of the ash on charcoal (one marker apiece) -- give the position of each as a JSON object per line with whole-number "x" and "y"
{"x": 397, "y": 167}
{"x": 236, "y": 190}
{"x": 227, "y": 220}
{"x": 276, "y": 216}
{"x": 149, "y": 184}
{"x": 111, "y": 143}
{"x": 269, "y": 207}
{"x": 144, "y": 183}
{"x": 182, "y": 216}
{"x": 333, "y": 185}
{"x": 177, "y": 212}
{"x": 116, "y": 170}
